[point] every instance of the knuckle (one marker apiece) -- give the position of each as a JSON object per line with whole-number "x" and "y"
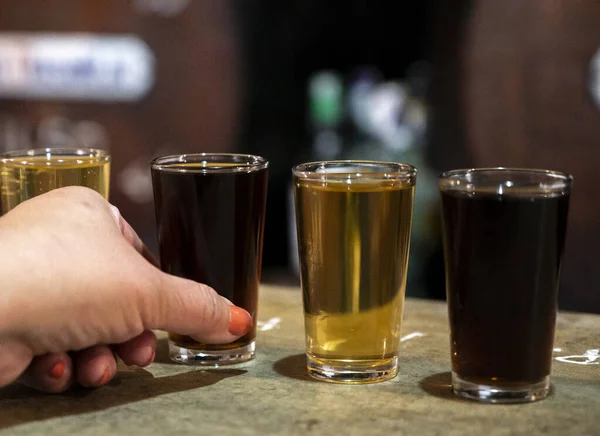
{"x": 154, "y": 299}
{"x": 81, "y": 193}
{"x": 204, "y": 304}
{"x": 212, "y": 307}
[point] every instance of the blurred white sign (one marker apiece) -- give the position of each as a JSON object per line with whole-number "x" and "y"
{"x": 74, "y": 66}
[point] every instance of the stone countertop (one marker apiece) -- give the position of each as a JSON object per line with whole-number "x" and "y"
{"x": 274, "y": 395}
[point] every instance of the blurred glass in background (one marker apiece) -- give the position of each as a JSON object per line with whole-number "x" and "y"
{"x": 362, "y": 117}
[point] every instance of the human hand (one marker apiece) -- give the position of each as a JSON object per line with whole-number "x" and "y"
{"x": 78, "y": 284}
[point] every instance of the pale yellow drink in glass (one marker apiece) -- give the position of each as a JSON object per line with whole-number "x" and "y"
{"x": 353, "y": 223}
{"x": 25, "y": 174}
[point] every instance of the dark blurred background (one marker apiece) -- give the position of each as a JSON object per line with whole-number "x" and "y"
{"x": 438, "y": 84}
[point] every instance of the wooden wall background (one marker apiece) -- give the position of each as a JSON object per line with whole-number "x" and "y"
{"x": 511, "y": 88}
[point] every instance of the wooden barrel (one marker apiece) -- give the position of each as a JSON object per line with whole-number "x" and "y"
{"x": 512, "y": 88}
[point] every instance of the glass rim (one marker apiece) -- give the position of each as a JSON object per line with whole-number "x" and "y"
{"x": 98, "y": 153}
{"x": 175, "y": 163}
{"x": 559, "y": 181}
{"x": 464, "y": 171}
{"x": 397, "y": 170}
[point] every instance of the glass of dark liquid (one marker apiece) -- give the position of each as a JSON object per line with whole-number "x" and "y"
{"x": 504, "y": 234}
{"x": 210, "y": 213}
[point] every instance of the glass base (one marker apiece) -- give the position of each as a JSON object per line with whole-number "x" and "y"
{"x": 212, "y": 358}
{"x": 496, "y": 394}
{"x": 352, "y": 371}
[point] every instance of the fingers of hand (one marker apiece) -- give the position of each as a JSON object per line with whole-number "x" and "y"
{"x": 50, "y": 373}
{"x": 196, "y": 310}
{"x": 14, "y": 360}
{"x": 139, "y": 351}
{"x": 95, "y": 366}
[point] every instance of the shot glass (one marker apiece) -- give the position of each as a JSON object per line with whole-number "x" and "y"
{"x": 504, "y": 234}
{"x": 353, "y": 221}
{"x": 210, "y": 212}
{"x": 25, "y": 174}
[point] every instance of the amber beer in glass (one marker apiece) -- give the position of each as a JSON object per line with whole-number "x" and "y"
{"x": 504, "y": 234}
{"x": 353, "y": 225}
{"x": 210, "y": 212}
{"x": 25, "y": 174}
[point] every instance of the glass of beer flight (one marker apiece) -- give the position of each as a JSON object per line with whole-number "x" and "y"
{"x": 210, "y": 212}
{"x": 504, "y": 233}
{"x": 27, "y": 173}
{"x": 353, "y": 223}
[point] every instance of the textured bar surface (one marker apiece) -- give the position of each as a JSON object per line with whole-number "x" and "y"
{"x": 274, "y": 395}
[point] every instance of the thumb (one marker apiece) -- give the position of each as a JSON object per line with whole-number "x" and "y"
{"x": 193, "y": 309}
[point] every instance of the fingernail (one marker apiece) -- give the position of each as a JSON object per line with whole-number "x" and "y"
{"x": 105, "y": 377}
{"x": 227, "y": 301}
{"x": 58, "y": 370}
{"x": 151, "y": 358}
{"x": 240, "y": 321}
